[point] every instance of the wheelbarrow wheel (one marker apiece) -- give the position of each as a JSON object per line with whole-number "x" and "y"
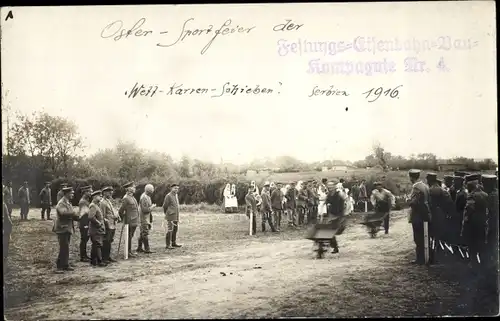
{"x": 320, "y": 251}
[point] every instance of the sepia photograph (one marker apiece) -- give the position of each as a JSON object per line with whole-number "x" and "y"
{"x": 256, "y": 161}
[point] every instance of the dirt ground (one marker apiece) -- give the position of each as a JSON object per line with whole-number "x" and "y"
{"x": 221, "y": 272}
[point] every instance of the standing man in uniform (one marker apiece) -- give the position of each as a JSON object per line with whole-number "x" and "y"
{"x": 97, "y": 229}
{"x": 8, "y": 197}
{"x": 24, "y": 200}
{"x": 490, "y": 184}
{"x": 383, "y": 200}
{"x": 146, "y": 207}
{"x": 448, "y": 182}
{"x": 251, "y": 208}
{"x": 419, "y": 213}
{"x": 310, "y": 202}
{"x": 315, "y": 195}
{"x": 110, "y": 218}
{"x": 291, "y": 204}
{"x": 277, "y": 205}
{"x": 83, "y": 208}
{"x": 46, "y": 200}
{"x": 475, "y": 218}
{"x": 302, "y": 200}
{"x": 335, "y": 203}
{"x": 363, "y": 195}
{"x": 266, "y": 208}
{"x": 438, "y": 198}
{"x": 129, "y": 213}
{"x": 60, "y": 194}
{"x": 63, "y": 227}
{"x": 171, "y": 210}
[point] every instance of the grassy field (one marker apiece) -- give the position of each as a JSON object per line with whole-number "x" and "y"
{"x": 221, "y": 272}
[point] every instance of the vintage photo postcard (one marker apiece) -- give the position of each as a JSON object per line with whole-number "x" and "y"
{"x": 334, "y": 160}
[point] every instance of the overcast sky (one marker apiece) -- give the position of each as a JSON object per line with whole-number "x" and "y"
{"x": 56, "y": 60}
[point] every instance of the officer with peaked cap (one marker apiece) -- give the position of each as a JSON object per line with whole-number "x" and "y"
{"x": 277, "y": 204}
{"x": 475, "y": 217}
{"x": 146, "y": 207}
{"x": 440, "y": 205}
{"x": 419, "y": 213}
{"x": 63, "y": 227}
{"x": 60, "y": 194}
{"x": 83, "y": 207}
{"x": 291, "y": 204}
{"x": 129, "y": 212}
{"x": 490, "y": 185}
{"x": 110, "y": 218}
{"x": 97, "y": 229}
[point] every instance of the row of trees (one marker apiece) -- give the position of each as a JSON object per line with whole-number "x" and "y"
{"x": 41, "y": 147}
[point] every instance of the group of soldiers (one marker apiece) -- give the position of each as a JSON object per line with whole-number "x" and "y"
{"x": 460, "y": 211}
{"x": 97, "y": 220}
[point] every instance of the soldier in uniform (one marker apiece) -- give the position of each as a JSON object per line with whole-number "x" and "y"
{"x": 63, "y": 227}
{"x": 315, "y": 191}
{"x": 363, "y": 195}
{"x": 146, "y": 207}
{"x": 83, "y": 207}
{"x": 129, "y": 213}
{"x": 277, "y": 205}
{"x": 60, "y": 194}
{"x": 46, "y": 200}
{"x": 251, "y": 208}
{"x": 475, "y": 217}
{"x": 291, "y": 204}
{"x": 97, "y": 229}
{"x": 266, "y": 208}
{"x": 8, "y": 197}
{"x": 302, "y": 202}
{"x": 110, "y": 218}
{"x": 335, "y": 204}
{"x": 419, "y": 213}
{"x": 438, "y": 199}
{"x": 24, "y": 200}
{"x": 490, "y": 257}
{"x": 171, "y": 210}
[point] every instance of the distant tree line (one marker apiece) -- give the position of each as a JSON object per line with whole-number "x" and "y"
{"x": 41, "y": 147}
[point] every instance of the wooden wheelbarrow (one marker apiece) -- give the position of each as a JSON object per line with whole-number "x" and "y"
{"x": 373, "y": 221}
{"x": 322, "y": 233}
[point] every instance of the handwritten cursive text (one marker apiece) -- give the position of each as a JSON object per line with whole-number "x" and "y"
{"x": 224, "y": 30}
{"x": 116, "y": 29}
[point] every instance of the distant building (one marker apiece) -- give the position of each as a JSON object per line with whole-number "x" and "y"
{"x": 340, "y": 168}
{"x": 450, "y": 167}
{"x": 324, "y": 169}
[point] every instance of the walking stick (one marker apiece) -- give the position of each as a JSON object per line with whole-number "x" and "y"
{"x": 120, "y": 242}
{"x": 125, "y": 249}
{"x": 426, "y": 242}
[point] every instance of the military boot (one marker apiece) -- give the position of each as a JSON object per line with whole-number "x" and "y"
{"x": 139, "y": 246}
{"x": 147, "y": 249}
{"x": 168, "y": 241}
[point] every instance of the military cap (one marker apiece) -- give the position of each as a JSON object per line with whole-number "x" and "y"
{"x": 324, "y": 180}
{"x": 266, "y": 184}
{"x": 461, "y": 173}
{"x": 440, "y": 182}
{"x": 174, "y": 185}
{"x": 98, "y": 192}
{"x": 377, "y": 183}
{"x": 48, "y": 183}
{"x": 64, "y": 184}
{"x": 107, "y": 188}
{"x": 472, "y": 177}
{"x": 489, "y": 181}
{"x": 448, "y": 178}
{"x": 67, "y": 190}
{"x": 414, "y": 172}
{"x": 86, "y": 188}
{"x": 129, "y": 184}
{"x": 432, "y": 175}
